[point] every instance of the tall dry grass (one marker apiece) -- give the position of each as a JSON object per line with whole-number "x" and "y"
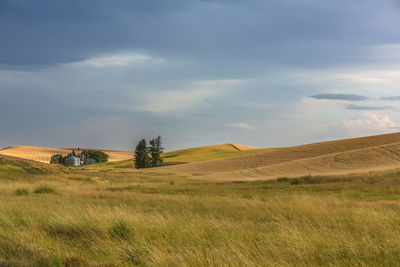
{"x": 92, "y": 218}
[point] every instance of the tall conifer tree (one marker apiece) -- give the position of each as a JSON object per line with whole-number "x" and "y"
{"x": 142, "y": 159}
{"x": 155, "y": 150}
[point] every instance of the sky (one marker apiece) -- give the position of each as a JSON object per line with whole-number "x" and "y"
{"x": 106, "y": 73}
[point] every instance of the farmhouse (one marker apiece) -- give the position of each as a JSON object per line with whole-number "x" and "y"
{"x": 86, "y": 157}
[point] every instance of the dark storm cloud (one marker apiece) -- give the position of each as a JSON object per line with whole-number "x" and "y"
{"x": 348, "y": 97}
{"x": 357, "y": 107}
{"x": 47, "y": 32}
{"x": 241, "y": 35}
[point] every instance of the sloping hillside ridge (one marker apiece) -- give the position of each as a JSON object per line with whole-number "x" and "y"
{"x": 13, "y": 167}
{"x": 244, "y": 147}
{"x": 203, "y": 153}
{"x": 372, "y": 152}
{"x": 379, "y": 158}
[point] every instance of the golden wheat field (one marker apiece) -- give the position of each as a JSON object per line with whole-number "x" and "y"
{"x": 338, "y": 205}
{"x": 357, "y": 155}
{"x": 43, "y": 154}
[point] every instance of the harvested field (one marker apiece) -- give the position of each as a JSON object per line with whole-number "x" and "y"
{"x": 334, "y": 157}
{"x": 239, "y": 162}
{"x": 203, "y": 153}
{"x": 244, "y": 147}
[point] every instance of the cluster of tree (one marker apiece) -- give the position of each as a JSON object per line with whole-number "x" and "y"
{"x": 57, "y": 159}
{"x": 98, "y": 156}
{"x": 148, "y": 155}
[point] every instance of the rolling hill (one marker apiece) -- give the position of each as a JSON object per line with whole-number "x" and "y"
{"x": 188, "y": 155}
{"x": 207, "y": 153}
{"x": 43, "y": 154}
{"x": 238, "y": 162}
{"x": 334, "y": 157}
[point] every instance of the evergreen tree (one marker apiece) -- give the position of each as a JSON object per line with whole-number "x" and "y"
{"x": 155, "y": 150}
{"x": 57, "y": 159}
{"x": 142, "y": 159}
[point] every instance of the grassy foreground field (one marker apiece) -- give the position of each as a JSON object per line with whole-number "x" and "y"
{"x": 55, "y": 216}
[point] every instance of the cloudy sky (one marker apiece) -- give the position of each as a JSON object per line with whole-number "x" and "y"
{"x": 106, "y": 73}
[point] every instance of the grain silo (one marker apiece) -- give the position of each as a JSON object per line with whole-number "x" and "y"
{"x": 72, "y": 161}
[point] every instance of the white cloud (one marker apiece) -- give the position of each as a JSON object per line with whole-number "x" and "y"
{"x": 378, "y": 77}
{"x": 387, "y": 52}
{"x": 373, "y": 81}
{"x": 116, "y": 60}
{"x": 242, "y": 125}
{"x": 165, "y": 102}
{"x": 371, "y": 121}
{"x": 191, "y": 96}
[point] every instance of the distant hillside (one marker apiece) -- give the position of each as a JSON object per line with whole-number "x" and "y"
{"x": 194, "y": 154}
{"x": 333, "y": 157}
{"x": 207, "y": 153}
{"x": 236, "y": 162}
{"x": 43, "y": 154}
